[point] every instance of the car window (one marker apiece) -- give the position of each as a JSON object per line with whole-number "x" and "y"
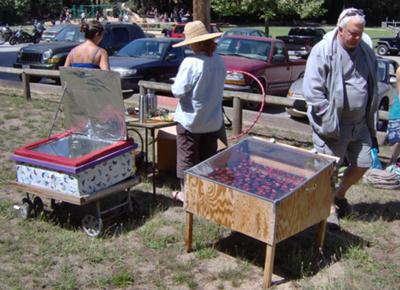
{"x": 144, "y": 48}
{"x": 120, "y": 36}
{"x": 278, "y": 49}
{"x": 244, "y": 47}
{"x": 178, "y": 51}
{"x": 381, "y": 71}
{"x": 70, "y": 34}
{"x": 392, "y": 69}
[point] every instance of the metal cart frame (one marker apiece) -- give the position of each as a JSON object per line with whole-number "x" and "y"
{"x": 92, "y": 224}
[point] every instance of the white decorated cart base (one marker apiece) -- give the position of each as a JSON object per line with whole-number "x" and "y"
{"x": 88, "y": 181}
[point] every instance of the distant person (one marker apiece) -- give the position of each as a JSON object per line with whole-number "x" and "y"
{"x": 98, "y": 15}
{"x": 340, "y": 88}
{"x": 89, "y": 54}
{"x": 125, "y": 17}
{"x": 83, "y": 16}
{"x": 393, "y": 134}
{"x": 166, "y": 32}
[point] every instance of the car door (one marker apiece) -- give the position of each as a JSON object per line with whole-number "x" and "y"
{"x": 119, "y": 38}
{"x": 278, "y": 73}
{"x": 170, "y": 63}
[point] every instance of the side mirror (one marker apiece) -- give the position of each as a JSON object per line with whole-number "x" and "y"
{"x": 278, "y": 58}
{"x": 171, "y": 56}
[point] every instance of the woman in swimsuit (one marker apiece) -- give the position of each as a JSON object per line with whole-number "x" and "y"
{"x": 89, "y": 54}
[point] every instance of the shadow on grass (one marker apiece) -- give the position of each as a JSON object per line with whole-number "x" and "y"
{"x": 117, "y": 218}
{"x": 388, "y": 211}
{"x": 296, "y": 256}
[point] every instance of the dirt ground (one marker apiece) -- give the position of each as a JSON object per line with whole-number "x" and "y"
{"x": 146, "y": 250}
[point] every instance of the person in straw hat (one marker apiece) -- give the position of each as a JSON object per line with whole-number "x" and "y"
{"x": 199, "y": 86}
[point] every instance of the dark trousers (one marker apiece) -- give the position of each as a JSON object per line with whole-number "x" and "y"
{"x": 193, "y": 148}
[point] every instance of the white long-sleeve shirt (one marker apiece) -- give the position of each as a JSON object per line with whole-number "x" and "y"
{"x": 199, "y": 85}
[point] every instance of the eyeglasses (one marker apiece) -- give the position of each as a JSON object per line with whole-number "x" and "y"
{"x": 353, "y": 12}
{"x": 350, "y": 12}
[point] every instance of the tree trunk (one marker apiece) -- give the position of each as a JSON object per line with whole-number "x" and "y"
{"x": 201, "y": 11}
{"x": 266, "y": 24}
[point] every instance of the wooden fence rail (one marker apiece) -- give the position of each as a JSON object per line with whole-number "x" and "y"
{"x": 237, "y": 97}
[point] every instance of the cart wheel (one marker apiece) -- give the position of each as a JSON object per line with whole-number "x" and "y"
{"x": 91, "y": 225}
{"x": 37, "y": 205}
{"x": 25, "y": 210}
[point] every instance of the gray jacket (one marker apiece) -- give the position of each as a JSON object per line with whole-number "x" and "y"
{"x": 323, "y": 87}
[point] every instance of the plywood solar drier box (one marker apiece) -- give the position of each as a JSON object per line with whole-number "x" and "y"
{"x": 265, "y": 190}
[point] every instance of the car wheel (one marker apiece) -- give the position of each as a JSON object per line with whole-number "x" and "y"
{"x": 13, "y": 41}
{"x": 2, "y": 39}
{"x": 382, "y": 49}
{"x": 382, "y": 124}
{"x": 253, "y": 106}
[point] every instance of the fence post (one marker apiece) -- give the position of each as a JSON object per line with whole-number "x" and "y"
{"x": 237, "y": 116}
{"x": 26, "y": 86}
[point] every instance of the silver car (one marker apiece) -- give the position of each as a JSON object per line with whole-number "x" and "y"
{"x": 386, "y": 91}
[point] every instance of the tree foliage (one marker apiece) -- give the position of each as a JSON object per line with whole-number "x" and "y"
{"x": 270, "y": 8}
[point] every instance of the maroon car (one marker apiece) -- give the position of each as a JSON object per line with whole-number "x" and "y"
{"x": 265, "y": 58}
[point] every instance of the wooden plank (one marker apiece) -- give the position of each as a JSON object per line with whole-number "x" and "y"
{"x": 188, "y": 232}
{"x": 282, "y": 166}
{"x": 42, "y": 72}
{"x": 77, "y": 200}
{"x": 128, "y": 183}
{"x": 43, "y": 192}
{"x": 234, "y": 209}
{"x": 305, "y": 207}
{"x": 26, "y": 86}
{"x": 237, "y": 116}
{"x": 254, "y": 217}
{"x": 320, "y": 238}
{"x": 269, "y": 265}
{"x": 11, "y": 70}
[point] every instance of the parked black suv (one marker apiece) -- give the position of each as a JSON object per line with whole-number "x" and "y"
{"x": 300, "y": 40}
{"x": 388, "y": 45}
{"x": 52, "y": 55}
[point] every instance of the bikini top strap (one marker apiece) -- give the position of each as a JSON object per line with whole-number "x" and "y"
{"x": 72, "y": 56}
{"x": 94, "y": 55}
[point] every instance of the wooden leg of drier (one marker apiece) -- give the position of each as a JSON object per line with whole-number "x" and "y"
{"x": 321, "y": 236}
{"x": 153, "y": 162}
{"x": 188, "y": 232}
{"x": 269, "y": 266}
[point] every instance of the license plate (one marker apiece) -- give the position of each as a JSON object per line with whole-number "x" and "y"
{"x": 25, "y": 66}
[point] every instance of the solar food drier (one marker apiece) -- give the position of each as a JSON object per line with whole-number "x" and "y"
{"x": 88, "y": 163}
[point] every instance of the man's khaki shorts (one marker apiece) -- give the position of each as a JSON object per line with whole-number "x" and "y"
{"x": 354, "y": 144}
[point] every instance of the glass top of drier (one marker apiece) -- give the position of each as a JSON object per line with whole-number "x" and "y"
{"x": 72, "y": 146}
{"x": 268, "y": 170}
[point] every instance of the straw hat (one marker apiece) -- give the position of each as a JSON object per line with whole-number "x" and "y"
{"x": 196, "y": 32}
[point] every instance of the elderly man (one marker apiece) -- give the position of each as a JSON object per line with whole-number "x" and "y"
{"x": 340, "y": 91}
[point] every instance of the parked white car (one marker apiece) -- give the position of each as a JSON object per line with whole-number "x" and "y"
{"x": 386, "y": 90}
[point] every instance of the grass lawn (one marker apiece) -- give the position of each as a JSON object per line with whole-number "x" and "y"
{"x": 373, "y": 32}
{"x": 147, "y": 251}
